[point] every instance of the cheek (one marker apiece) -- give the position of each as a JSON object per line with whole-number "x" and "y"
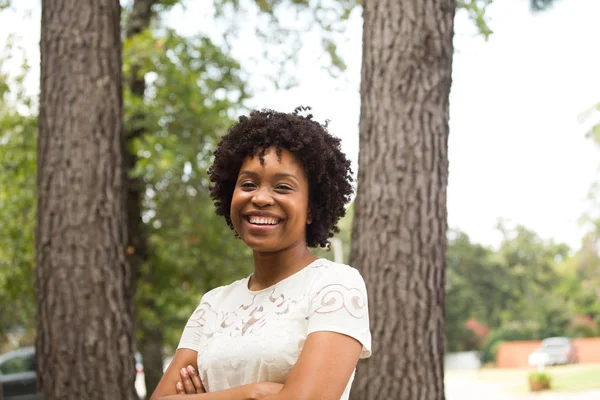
{"x": 234, "y": 208}
{"x": 302, "y": 212}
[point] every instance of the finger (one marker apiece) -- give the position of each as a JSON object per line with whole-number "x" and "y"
{"x": 179, "y": 388}
{"x": 187, "y": 382}
{"x": 195, "y": 377}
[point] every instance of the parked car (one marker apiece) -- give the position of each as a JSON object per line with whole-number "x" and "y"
{"x": 554, "y": 351}
{"x": 18, "y": 377}
{"x": 17, "y": 374}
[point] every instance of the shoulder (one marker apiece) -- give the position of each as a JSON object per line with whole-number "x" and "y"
{"x": 222, "y": 292}
{"x": 325, "y": 267}
{"x": 326, "y": 273}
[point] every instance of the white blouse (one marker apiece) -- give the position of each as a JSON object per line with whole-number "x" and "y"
{"x": 245, "y": 336}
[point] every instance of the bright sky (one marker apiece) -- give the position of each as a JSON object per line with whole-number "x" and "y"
{"x": 517, "y": 146}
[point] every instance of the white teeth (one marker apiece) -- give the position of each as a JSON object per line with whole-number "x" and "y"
{"x": 263, "y": 220}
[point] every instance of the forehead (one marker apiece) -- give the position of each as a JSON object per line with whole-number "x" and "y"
{"x": 270, "y": 160}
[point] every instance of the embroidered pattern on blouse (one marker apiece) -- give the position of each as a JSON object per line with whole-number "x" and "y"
{"x": 335, "y": 297}
{"x": 262, "y": 334}
{"x": 202, "y": 319}
{"x": 206, "y": 320}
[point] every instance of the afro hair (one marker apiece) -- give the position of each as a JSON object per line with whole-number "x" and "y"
{"x": 327, "y": 169}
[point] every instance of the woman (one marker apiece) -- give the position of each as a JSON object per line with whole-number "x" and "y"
{"x": 295, "y": 328}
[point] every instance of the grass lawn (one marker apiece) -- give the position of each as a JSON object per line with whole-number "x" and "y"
{"x": 567, "y": 378}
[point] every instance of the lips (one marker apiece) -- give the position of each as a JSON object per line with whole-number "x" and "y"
{"x": 262, "y": 220}
{"x": 258, "y": 220}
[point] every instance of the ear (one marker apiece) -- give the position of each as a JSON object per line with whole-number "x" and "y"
{"x": 309, "y": 218}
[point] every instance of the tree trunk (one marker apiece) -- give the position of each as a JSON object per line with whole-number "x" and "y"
{"x": 399, "y": 231}
{"x": 84, "y": 344}
{"x": 151, "y": 347}
{"x": 151, "y": 340}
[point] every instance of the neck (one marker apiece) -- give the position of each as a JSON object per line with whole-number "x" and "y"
{"x": 270, "y": 268}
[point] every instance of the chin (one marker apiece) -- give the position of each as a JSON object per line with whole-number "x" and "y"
{"x": 262, "y": 247}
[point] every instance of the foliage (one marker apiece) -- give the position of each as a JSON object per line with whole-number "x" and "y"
{"x": 17, "y": 204}
{"x": 539, "y": 381}
{"x": 517, "y": 291}
{"x": 532, "y": 275}
{"x": 476, "y": 10}
{"x": 507, "y": 332}
{"x": 540, "y": 377}
{"x": 192, "y": 89}
{"x": 538, "y": 5}
{"x": 528, "y": 289}
{"x": 594, "y": 132}
{"x": 474, "y": 289}
{"x": 283, "y": 26}
{"x": 344, "y": 237}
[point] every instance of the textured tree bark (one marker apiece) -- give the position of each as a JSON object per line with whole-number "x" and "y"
{"x": 151, "y": 340}
{"x": 399, "y": 231}
{"x": 84, "y": 344}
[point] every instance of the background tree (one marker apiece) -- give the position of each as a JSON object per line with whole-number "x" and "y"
{"x": 149, "y": 336}
{"x": 83, "y": 285}
{"x": 185, "y": 108}
{"x": 178, "y": 264}
{"x": 17, "y": 206}
{"x": 399, "y": 231}
{"x": 475, "y": 290}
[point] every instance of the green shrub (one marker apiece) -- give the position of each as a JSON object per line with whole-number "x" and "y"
{"x": 507, "y": 333}
{"x": 539, "y": 381}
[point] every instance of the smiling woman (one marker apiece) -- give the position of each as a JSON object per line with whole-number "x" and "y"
{"x": 295, "y": 328}
{"x": 269, "y": 208}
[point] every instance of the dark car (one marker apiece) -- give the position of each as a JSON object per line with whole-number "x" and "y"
{"x": 17, "y": 375}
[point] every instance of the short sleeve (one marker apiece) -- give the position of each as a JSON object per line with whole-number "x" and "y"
{"x": 339, "y": 304}
{"x": 199, "y": 326}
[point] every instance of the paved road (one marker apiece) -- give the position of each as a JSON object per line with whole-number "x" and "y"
{"x": 463, "y": 388}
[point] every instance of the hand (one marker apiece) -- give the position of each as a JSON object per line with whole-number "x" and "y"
{"x": 190, "y": 381}
{"x": 263, "y": 389}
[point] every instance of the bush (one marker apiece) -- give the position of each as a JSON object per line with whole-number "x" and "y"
{"x": 583, "y": 326}
{"x": 507, "y": 333}
{"x": 539, "y": 381}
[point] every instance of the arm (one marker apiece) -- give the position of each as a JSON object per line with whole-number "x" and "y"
{"x": 167, "y": 385}
{"x": 237, "y": 393}
{"x": 323, "y": 369}
{"x": 166, "y": 389}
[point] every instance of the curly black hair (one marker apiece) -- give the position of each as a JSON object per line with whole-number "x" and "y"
{"x": 326, "y": 166}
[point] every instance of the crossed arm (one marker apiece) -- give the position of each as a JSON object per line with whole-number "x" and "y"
{"x": 322, "y": 372}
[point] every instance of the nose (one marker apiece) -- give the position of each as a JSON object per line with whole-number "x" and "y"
{"x": 262, "y": 197}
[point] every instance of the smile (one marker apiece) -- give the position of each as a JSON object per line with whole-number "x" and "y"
{"x": 261, "y": 220}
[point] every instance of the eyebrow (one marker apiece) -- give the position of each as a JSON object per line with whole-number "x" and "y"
{"x": 278, "y": 175}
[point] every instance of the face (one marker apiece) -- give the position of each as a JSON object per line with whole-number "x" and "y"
{"x": 269, "y": 208}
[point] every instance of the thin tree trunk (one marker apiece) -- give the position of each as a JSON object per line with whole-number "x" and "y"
{"x": 84, "y": 344}
{"x": 399, "y": 231}
{"x": 151, "y": 340}
{"x": 151, "y": 347}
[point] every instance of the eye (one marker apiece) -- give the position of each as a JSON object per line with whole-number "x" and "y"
{"x": 247, "y": 185}
{"x": 283, "y": 187}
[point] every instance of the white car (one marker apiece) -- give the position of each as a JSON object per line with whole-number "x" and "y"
{"x": 554, "y": 351}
